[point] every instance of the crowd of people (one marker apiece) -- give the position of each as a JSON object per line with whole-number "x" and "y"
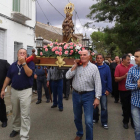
{"x": 90, "y": 83}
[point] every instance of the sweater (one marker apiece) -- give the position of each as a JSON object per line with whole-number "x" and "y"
{"x": 106, "y": 80}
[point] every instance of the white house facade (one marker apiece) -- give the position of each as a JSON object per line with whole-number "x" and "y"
{"x": 17, "y": 23}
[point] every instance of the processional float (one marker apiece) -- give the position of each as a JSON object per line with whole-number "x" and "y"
{"x": 61, "y": 54}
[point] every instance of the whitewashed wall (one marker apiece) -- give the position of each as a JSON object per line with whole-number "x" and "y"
{"x": 15, "y": 32}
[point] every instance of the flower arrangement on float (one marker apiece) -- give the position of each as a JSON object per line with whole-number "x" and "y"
{"x": 71, "y": 50}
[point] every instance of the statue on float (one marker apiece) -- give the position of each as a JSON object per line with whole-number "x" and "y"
{"x": 68, "y": 25}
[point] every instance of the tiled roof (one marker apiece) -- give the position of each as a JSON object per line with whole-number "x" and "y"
{"x": 47, "y": 32}
{"x": 52, "y": 33}
{"x": 50, "y": 28}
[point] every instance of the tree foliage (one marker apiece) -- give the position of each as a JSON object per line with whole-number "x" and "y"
{"x": 103, "y": 43}
{"x": 126, "y": 15}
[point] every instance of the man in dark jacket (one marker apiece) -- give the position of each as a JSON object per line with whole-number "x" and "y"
{"x": 115, "y": 91}
{"x": 41, "y": 78}
{"x": 105, "y": 75}
{"x": 4, "y": 65}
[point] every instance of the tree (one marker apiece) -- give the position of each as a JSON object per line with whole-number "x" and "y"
{"x": 103, "y": 43}
{"x": 126, "y": 15}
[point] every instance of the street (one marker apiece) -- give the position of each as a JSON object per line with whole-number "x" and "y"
{"x": 51, "y": 124}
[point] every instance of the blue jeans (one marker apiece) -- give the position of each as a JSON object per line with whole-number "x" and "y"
{"x": 41, "y": 81}
{"x": 86, "y": 101}
{"x": 136, "y": 119}
{"x": 104, "y": 113}
{"x": 57, "y": 89}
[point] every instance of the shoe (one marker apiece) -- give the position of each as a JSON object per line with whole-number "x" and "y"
{"x": 115, "y": 101}
{"x": 60, "y": 109}
{"x": 64, "y": 97}
{"x": 4, "y": 124}
{"x": 47, "y": 101}
{"x": 78, "y": 138}
{"x": 105, "y": 126}
{"x": 67, "y": 98}
{"x": 53, "y": 106}
{"x": 125, "y": 125}
{"x": 34, "y": 91}
{"x": 94, "y": 121}
{"x": 14, "y": 133}
{"x": 38, "y": 102}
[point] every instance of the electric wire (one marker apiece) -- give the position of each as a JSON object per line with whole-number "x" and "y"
{"x": 55, "y": 8}
{"x": 46, "y": 17}
{"x": 78, "y": 18}
{"x": 60, "y": 13}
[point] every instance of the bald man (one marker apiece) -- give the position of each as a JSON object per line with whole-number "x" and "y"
{"x": 86, "y": 93}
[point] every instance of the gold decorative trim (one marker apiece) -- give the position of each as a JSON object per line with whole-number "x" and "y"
{"x": 53, "y": 57}
{"x": 60, "y": 61}
{"x": 53, "y": 65}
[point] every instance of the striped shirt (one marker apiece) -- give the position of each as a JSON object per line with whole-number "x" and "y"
{"x": 131, "y": 84}
{"x": 86, "y": 79}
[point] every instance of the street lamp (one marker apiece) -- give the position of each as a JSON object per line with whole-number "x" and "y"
{"x": 85, "y": 42}
{"x": 39, "y": 44}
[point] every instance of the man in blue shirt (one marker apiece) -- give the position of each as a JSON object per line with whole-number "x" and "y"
{"x": 21, "y": 76}
{"x": 41, "y": 76}
{"x": 133, "y": 84}
{"x": 105, "y": 75}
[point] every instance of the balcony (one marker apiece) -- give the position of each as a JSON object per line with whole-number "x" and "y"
{"x": 22, "y": 10}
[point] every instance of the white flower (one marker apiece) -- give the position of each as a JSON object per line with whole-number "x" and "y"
{"x": 77, "y": 47}
{"x": 50, "y": 46}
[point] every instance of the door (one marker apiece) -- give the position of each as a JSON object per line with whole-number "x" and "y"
{"x": 1, "y": 44}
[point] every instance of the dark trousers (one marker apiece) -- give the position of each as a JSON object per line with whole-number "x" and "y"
{"x": 57, "y": 89}
{"x": 126, "y": 105}
{"x": 50, "y": 83}
{"x": 41, "y": 81}
{"x": 115, "y": 91}
{"x": 34, "y": 85}
{"x": 3, "y": 117}
{"x": 66, "y": 87}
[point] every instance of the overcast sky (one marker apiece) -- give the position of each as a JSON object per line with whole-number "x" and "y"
{"x": 56, "y": 19}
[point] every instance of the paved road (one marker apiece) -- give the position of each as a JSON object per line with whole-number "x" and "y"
{"x": 50, "y": 124}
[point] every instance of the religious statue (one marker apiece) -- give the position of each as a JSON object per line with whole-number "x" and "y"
{"x": 68, "y": 23}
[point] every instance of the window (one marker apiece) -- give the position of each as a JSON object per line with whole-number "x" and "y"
{"x": 22, "y": 9}
{"x": 16, "y": 5}
{"x": 29, "y": 50}
{"x": 17, "y": 46}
